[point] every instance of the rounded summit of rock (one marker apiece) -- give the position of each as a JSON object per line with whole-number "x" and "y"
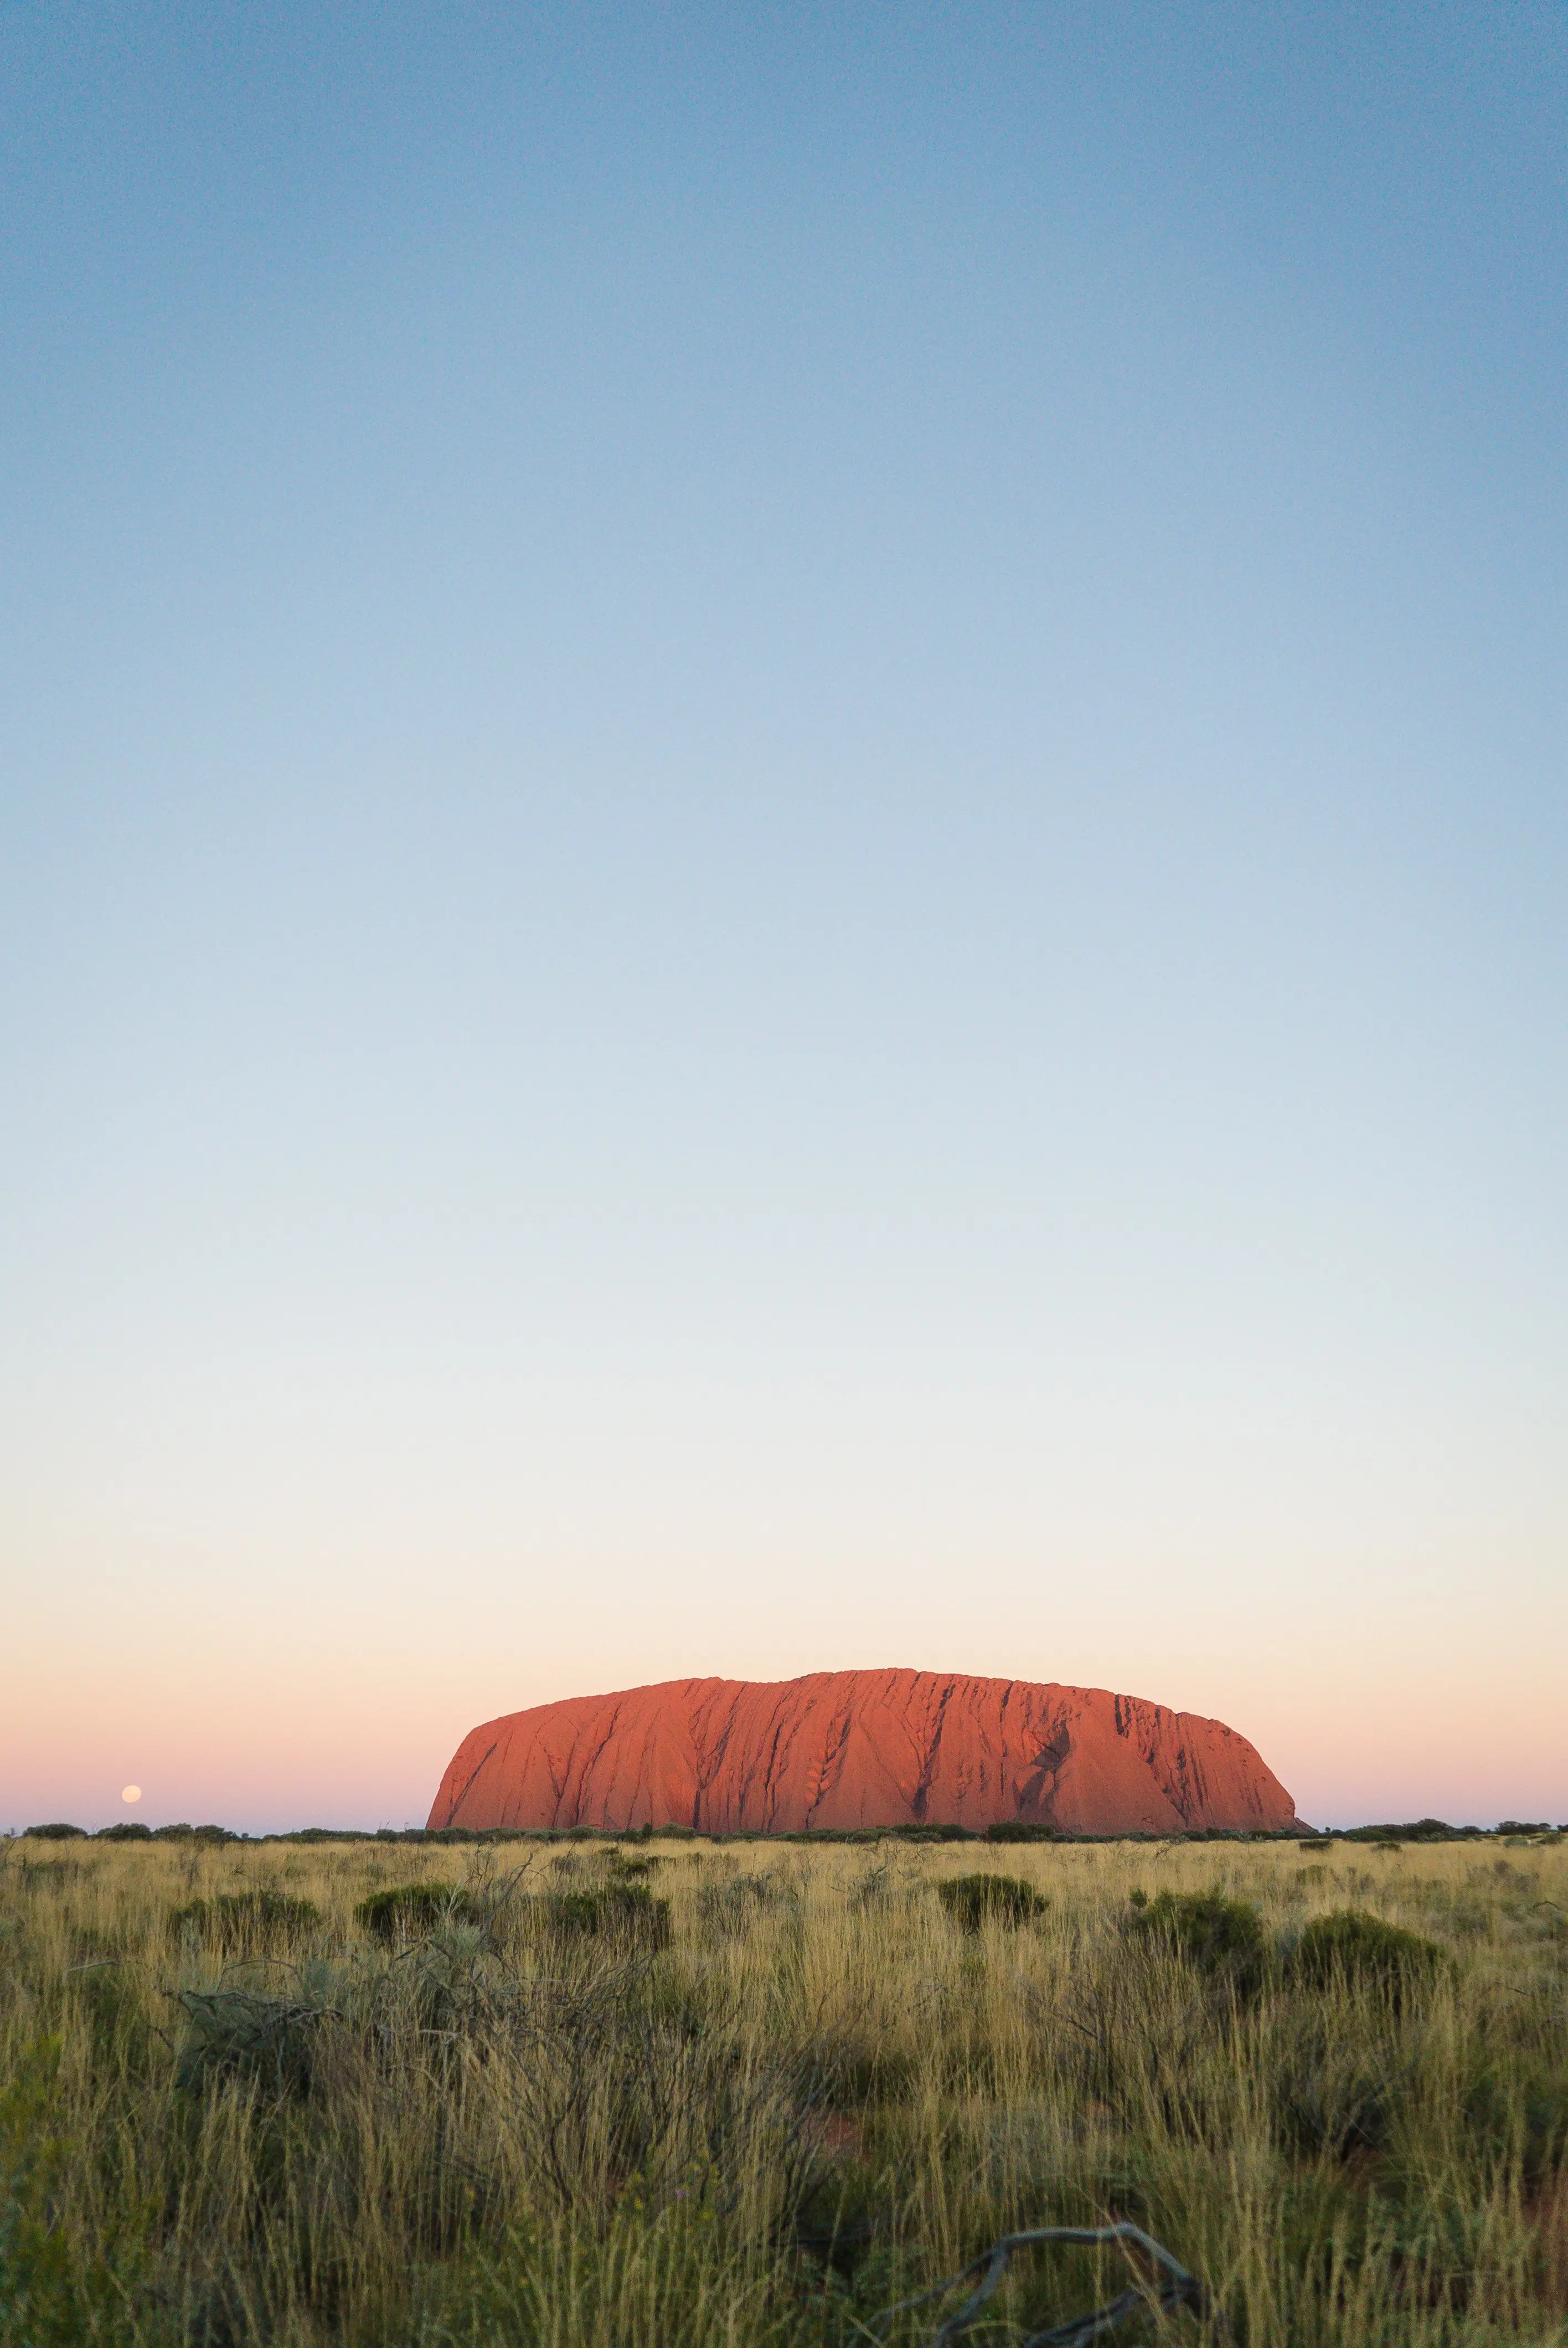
{"x": 839, "y": 1750}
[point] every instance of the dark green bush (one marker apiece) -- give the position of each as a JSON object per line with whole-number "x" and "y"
{"x": 625, "y": 1910}
{"x": 1216, "y": 1934}
{"x": 1352, "y": 1945}
{"x": 58, "y": 1833}
{"x": 411, "y": 1911}
{"x": 247, "y": 2033}
{"x": 1335, "y": 2093}
{"x": 972, "y": 1901}
{"x": 1020, "y": 1830}
{"x": 127, "y": 1830}
{"x": 246, "y": 1922}
{"x": 729, "y": 1905}
{"x": 1409, "y": 1830}
{"x": 301, "y": 1834}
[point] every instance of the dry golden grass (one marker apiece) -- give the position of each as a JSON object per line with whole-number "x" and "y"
{"x": 819, "y": 2098}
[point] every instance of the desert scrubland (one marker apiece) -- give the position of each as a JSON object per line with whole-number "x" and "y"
{"x": 237, "y": 2107}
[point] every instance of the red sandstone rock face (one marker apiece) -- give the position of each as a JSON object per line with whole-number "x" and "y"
{"x": 859, "y": 1749}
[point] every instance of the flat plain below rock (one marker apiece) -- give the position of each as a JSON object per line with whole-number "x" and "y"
{"x": 846, "y": 1749}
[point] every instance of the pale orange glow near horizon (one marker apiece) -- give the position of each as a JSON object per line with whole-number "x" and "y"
{"x": 356, "y": 1728}
{"x": 441, "y": 1564}
{"x": 376, "y": 1603}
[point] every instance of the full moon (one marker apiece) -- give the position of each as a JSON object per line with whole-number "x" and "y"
{"x": 130, "y": 1793}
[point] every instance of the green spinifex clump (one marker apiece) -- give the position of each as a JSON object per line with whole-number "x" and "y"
{"x": 1352, "y": 1947}
{"x": 1218, "y": 1935}
{"x": 245, "y": 1922}
{"x": 972, "y": 1901}
{"x": 627, "y": 1910}
{"x": 412, "y": 1911}
{"x": 232, "y": 2031}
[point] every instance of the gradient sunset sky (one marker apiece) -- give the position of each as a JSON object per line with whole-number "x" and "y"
{"x": 784, "y": 878}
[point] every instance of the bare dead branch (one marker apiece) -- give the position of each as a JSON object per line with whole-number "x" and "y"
{"x": 1169, "y": 2287}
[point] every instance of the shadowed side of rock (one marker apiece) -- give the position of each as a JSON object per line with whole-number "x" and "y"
{"x": 843, "y": 1749}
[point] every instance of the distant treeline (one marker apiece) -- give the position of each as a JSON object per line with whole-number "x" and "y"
{"x": 1007, "y": 1831}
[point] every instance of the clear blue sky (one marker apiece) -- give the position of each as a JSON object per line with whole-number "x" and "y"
{"x": 783, "y": 842}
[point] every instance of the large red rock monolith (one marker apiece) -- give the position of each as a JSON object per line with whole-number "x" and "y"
{"x": 859, "y": 1749}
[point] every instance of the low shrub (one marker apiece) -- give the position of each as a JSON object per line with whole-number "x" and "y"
{"x": 57, "y": 1833}
{"x": 729, "y": 1904}
{"x": 411, "y": 1911}
{"x": 972, "y": 1901}
{"x": 625, "y": 1911}
{"x": 1020, "y": 1830}
{"x": 247, "y": 2033}
{"x": 1216, "y": 1934}
{"x": 127, "y": 1830}
{"x": 245, "y": 1922}
{"x": 1335, "y": 2090}
{"x": 1352, "y": 1946}
{"x": 1409, "y": 1830}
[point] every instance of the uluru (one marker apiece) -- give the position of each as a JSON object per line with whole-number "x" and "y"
{"x": 871, "y": 1748}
